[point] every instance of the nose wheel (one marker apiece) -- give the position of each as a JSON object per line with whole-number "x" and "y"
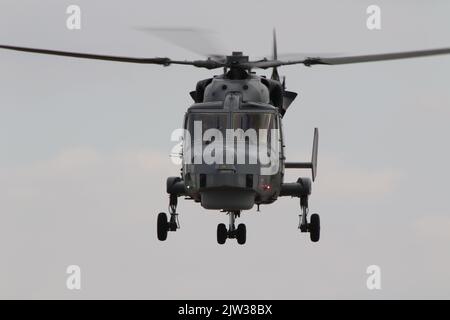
{"x": 239, "y": 233}
{"x": 222, "y": 233}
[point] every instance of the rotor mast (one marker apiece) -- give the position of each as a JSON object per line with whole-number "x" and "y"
{"x": 234, "y": 66}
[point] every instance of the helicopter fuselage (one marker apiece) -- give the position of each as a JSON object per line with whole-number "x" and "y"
{"x": 237, "y": 126}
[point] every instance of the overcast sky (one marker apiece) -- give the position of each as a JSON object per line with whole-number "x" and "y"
{"x": 84, "y": 154}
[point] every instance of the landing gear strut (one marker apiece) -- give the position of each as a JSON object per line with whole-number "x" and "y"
{"x": 240, "y": 233}
{"x": 164, "y": 225}
{"x": 313, "y": 227}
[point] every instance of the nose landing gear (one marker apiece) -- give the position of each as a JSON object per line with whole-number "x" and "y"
{"x": 239, "y": 233}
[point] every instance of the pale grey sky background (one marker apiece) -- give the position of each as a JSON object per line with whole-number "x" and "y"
{"x": 84, "y": 154}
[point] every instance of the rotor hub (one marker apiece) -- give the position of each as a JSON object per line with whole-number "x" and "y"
{"x": 236, "y": 58}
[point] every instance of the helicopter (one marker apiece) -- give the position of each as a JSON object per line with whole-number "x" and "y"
{"x": 248, "y": 110}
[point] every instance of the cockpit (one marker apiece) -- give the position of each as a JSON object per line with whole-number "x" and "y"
{"x": 243, "y": 124}
{"x": 233, "y": 145}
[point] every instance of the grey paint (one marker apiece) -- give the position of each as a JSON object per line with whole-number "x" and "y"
{"x": 82, "y": 170}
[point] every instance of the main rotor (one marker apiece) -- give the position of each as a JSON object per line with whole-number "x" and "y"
{"x": 239, "y": 61}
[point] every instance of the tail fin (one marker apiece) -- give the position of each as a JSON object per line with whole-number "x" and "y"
{"x": 308, "y": 165}
{"x": 314, "y": 153}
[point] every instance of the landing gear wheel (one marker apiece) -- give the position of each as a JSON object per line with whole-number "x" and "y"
{"x": 314, "y": 228}
{"x": 241, "y": 233}
{"x": 222, "y": 233}
{"x": 162, "y": 227}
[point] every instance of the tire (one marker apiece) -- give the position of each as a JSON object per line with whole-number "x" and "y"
{"x": 162, "y": 226}
{"x": 241, "y": 234}
{"x": 222, "y": 233}
{"x": 314, "y": 228}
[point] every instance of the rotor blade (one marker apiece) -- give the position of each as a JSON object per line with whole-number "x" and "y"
{"x": 296, "y": 56}
{"x": 199, "y": 41}
{"x": 289, "y": 56}
{"x": 208, "y": 64}
{"x": 375, "y": 57}
{"x": 264, "y": 64}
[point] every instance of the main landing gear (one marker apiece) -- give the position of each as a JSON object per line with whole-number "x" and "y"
{"x": 302, "y": 190}
{"x": 164, "y": 225}
{"x": 240, "y": 233}
{"x": 313, "y": 227}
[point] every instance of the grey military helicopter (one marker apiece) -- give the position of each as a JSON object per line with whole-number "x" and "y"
{"x": 239, "y": 99}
